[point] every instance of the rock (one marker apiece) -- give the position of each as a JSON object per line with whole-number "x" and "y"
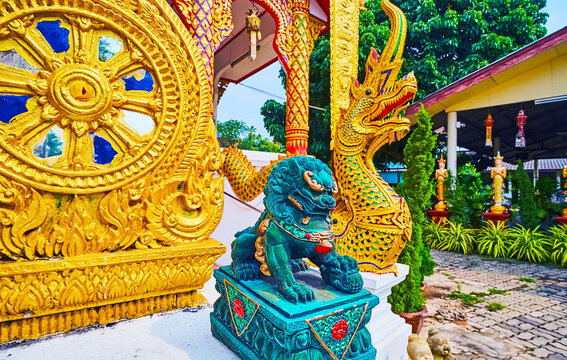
{"x": 450, "y": 313}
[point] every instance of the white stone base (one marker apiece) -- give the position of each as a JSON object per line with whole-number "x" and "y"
{"x": 389, "y": 332}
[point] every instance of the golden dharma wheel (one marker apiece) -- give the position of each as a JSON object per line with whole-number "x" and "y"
{"x": 97, "y": 94}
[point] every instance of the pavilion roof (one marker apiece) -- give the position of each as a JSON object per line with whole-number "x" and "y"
{"x": 530, "y": 79}
{"x": 231, "y": 58}
{"x": 544, "y": 165}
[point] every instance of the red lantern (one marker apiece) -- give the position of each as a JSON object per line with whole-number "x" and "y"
{"x": 520, "y": 136}
{"x": 488, "y": 123}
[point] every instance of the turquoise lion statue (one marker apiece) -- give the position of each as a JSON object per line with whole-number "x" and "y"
{"x": 296, "y": 224}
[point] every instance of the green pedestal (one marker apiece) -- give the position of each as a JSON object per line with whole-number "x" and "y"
{"x": 256, "y": 323}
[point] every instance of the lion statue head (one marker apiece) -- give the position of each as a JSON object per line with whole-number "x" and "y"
{"x": 300, "y": 186}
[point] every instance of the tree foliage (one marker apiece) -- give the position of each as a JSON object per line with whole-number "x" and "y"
{"x": 237, "y": 133}
{"x": 417, "y": 189}
{"x": 446, "y": 40}
{"x": 104, "y": 51}
{"x": 230, "y": 132}
{"x": 545, "y": 189}
{"x": 51, "y": 146}
{"x": 466, "y": 196}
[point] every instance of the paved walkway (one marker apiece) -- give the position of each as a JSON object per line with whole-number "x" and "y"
{"x": 533, "y": 325}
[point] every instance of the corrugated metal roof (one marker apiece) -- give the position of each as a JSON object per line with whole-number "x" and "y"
{"x": 543, "y": 164}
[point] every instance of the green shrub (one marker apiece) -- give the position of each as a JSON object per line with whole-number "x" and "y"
{"x": 494, "y": 291}
{"x": 468, "y": 299}
{"x": 427, "y": 263}
{"x": 495, "y": 306}
{"x": 559, "y": 251}
{"x": 527, "y": 202}
{"x": 457, "y": 238}
{"x": 529, "y": 244}
{"x": 432, "y": 234}
{"x": 545, "y": 188}
{"x": 466, "y": 196}
{"x": 417, "y": 189}
{"x": 493, "y": 240}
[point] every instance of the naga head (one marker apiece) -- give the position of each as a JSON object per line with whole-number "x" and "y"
{"x": 376, "y": 104}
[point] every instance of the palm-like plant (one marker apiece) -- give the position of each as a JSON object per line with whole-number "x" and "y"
{"x": 559, "y": 251}
{"x": 457, "y": 238}
{"x": 494, "y": 240}
{"x": 432, "y": 234}
{"x": 529, "y": 244}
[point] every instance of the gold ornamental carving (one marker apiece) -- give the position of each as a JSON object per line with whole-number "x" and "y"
{"x": 344, "y": 56}
{"x": 371, "y": 222}
{"x": 39, "y": 298}
{"x": 146, "y": 191}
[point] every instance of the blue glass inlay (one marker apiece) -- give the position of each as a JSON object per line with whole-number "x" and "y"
{"x": 146, "y": 84}
{"x": 56, "y": 36}
{"x": 12, "y": 105}
{"x": 104, "y": 153}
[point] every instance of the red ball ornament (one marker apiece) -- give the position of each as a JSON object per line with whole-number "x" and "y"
{"x": 238, "y": 308}
{"x": 340, "y": 330}
{"x": 308, "y": 236}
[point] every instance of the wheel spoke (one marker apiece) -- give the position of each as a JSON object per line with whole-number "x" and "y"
{"x": 36, "y": 45}
{"x": 125, "y": 137}
{"x": 84, "y": 40}
{"x": 124, "y": 63}
{"x": 26, "y": 128}
{"x": 143, "y": 102}
{"x": 78, "y": 152}
{"x": 14, "y": 81}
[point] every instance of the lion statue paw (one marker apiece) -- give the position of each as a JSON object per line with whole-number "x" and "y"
{"x": 342, "y": 273}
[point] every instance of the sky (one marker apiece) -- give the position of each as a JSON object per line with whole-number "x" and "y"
{"x": 241, "y": 103}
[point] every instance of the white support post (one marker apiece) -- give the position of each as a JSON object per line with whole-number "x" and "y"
{"x": 452, "y": 142}
{"x": 389, "y": 331}
{"x": 536, "y": 170}
{"x": 495, "y": 146}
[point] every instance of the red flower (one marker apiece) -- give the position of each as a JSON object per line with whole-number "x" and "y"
{"x": 340, "y": 330}
{"x": 238, "y": 308}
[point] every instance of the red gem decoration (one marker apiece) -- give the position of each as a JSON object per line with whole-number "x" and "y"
{"x": 238, "y": 308}
{"x": 308, "y": 236}
{"x": 340, "y": 330}
{"x": 320, "y": 249}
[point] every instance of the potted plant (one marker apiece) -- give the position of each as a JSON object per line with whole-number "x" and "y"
{"x": 407, "y": 298}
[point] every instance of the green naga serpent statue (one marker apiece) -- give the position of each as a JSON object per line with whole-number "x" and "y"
{"x": 295, "y": 225}
{"x": 371, "y": 222}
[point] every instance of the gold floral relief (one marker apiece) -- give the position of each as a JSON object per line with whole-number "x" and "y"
{"x": 109, "y": 161}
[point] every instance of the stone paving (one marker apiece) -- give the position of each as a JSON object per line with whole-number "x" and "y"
{"x": 533, "y": 325}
